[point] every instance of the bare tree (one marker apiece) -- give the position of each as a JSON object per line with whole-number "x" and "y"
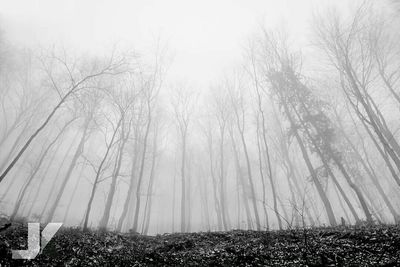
{"x": 89, "y": 113}
{"x": 238, "y": 107}
{"x": 183, "y": 105}
{"x": 276, "y": 62}
{"x": 344, "y": 44}
{"x": 21, "y": 194}
{"x": 77, "y": 83}
{"x": 100, "y": 168}
{"x": 123, "y": 101}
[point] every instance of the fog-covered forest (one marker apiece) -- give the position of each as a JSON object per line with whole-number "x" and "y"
{"x": 301, "y": 131}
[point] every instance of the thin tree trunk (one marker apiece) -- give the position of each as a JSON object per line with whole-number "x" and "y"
{"x": 33, "y": 136}
{"x": 204, "y": 198}
{"x": 47, "y": 120}
{"x": 188, "y": 199}
{"x": 253, "y": 193}
{"x": 263, "y": 178}
{"x": 73, "y": 194}
{"x": 15, "y": 144}
{"x": 37, "y": 168}
{"x": 369, "y": 170}
{"x": 99, "y": 170}
{"x": 291, "y": 173}
{"x": 183, "y": 184}
{"x": 339, "y": 165}
{"x": 55, "y": 179}
{"x": 129, "y": 194}
{"x": 78, "y": 153}
{"x": 224, "y": 209}
{"x": 147, "y": 209}
{"x": 141, "y": 172}
{"x": 42, "y": 179}
{"x": 242, "y": 182}
{"x": 214, "y": 182}
{"x": 321, "y": 192}
{"x": 341, "y": 204}
{"x": 110, "y": 198}
{"x": 173, "y": 204}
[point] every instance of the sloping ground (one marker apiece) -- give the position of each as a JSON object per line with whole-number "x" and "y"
{"x": 343, "y": 246}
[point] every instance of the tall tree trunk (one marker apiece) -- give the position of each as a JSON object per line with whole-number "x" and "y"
{"x": 341, "y": 204}
{"x": 380, "y": 150}
{"x": 250, "y": 177}
{"x": 141, "y": 172}
{"x": 320, "y": 190}
{"x": 47, "y": 120}
{"x": 369, "y": 170}
{"x": 42, "y": 179}
{"x": 338, "y": 163}
{"x": 110, "y": 198}
{"x": 224, "y": 209}
{"x": 15, "y": 144}
{"x": 263, "y": 179}
{"x": 242, "y": 183}
{"x": 71, "y": 199}
{"x": 33, "y": 136}
{"x": 129, "y": 194}
{"x": 98, "y": 173}
{"x": 188, "y": 199}
{"x": 214, "y": 183}
{"x": 78, "y": 153}
{"x": 173, "y": 203}
{"x": 268, "y": 160}
{"x": 204, "y": 201}
{"x": 147, "y": 209}
{"x": 37, "y": 168}
{"x": 385, "y": 137}
{"x": 55, "y": 179}
{"x": 290, "y": 170}
{"x": 183, "y": 184}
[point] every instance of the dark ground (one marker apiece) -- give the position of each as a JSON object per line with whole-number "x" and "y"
{"x": 340, "y": 246}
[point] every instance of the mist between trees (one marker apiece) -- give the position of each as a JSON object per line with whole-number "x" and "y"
{"x": 285, "y": 139}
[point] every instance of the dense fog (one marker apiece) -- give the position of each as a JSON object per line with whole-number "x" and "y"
{"x": 273, "y": 116}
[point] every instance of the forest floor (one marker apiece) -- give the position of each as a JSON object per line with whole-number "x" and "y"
{"x": 377, "y": 245}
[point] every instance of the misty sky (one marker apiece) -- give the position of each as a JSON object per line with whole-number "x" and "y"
{"x": 205, "y": 37}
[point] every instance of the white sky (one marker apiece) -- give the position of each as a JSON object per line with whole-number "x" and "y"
{"x": 206, "y": 36}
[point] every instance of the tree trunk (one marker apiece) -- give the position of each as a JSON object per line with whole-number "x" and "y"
{"x": 147, "y": 209}
{"x": 55, "y": 179}
{"x": 369, "y": 170}
{"x": 183, "y": 184}
{"x": 253, "y": 193}
{"x": 33, "y": 136}
{"x": 129, "y": 194}
{"x": 263, "y": 179}
{"x": 71, "y": 199}
{"x": 33, "y": 175}
{"x": 322, "y": 194}
{"x": 14, "y": 146}
{"x": 110, "y": 198}
{"x": 214, "y": 183}
{"x": 242, "y": 183}
{"x": 47, "y": 120}
{"x": 98, "y": 173}
{"x": 42, "y": 179}
{"x": 78, "y": 153}
{"x": 224, "y": 209}
{"x": 141, "y": 172}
